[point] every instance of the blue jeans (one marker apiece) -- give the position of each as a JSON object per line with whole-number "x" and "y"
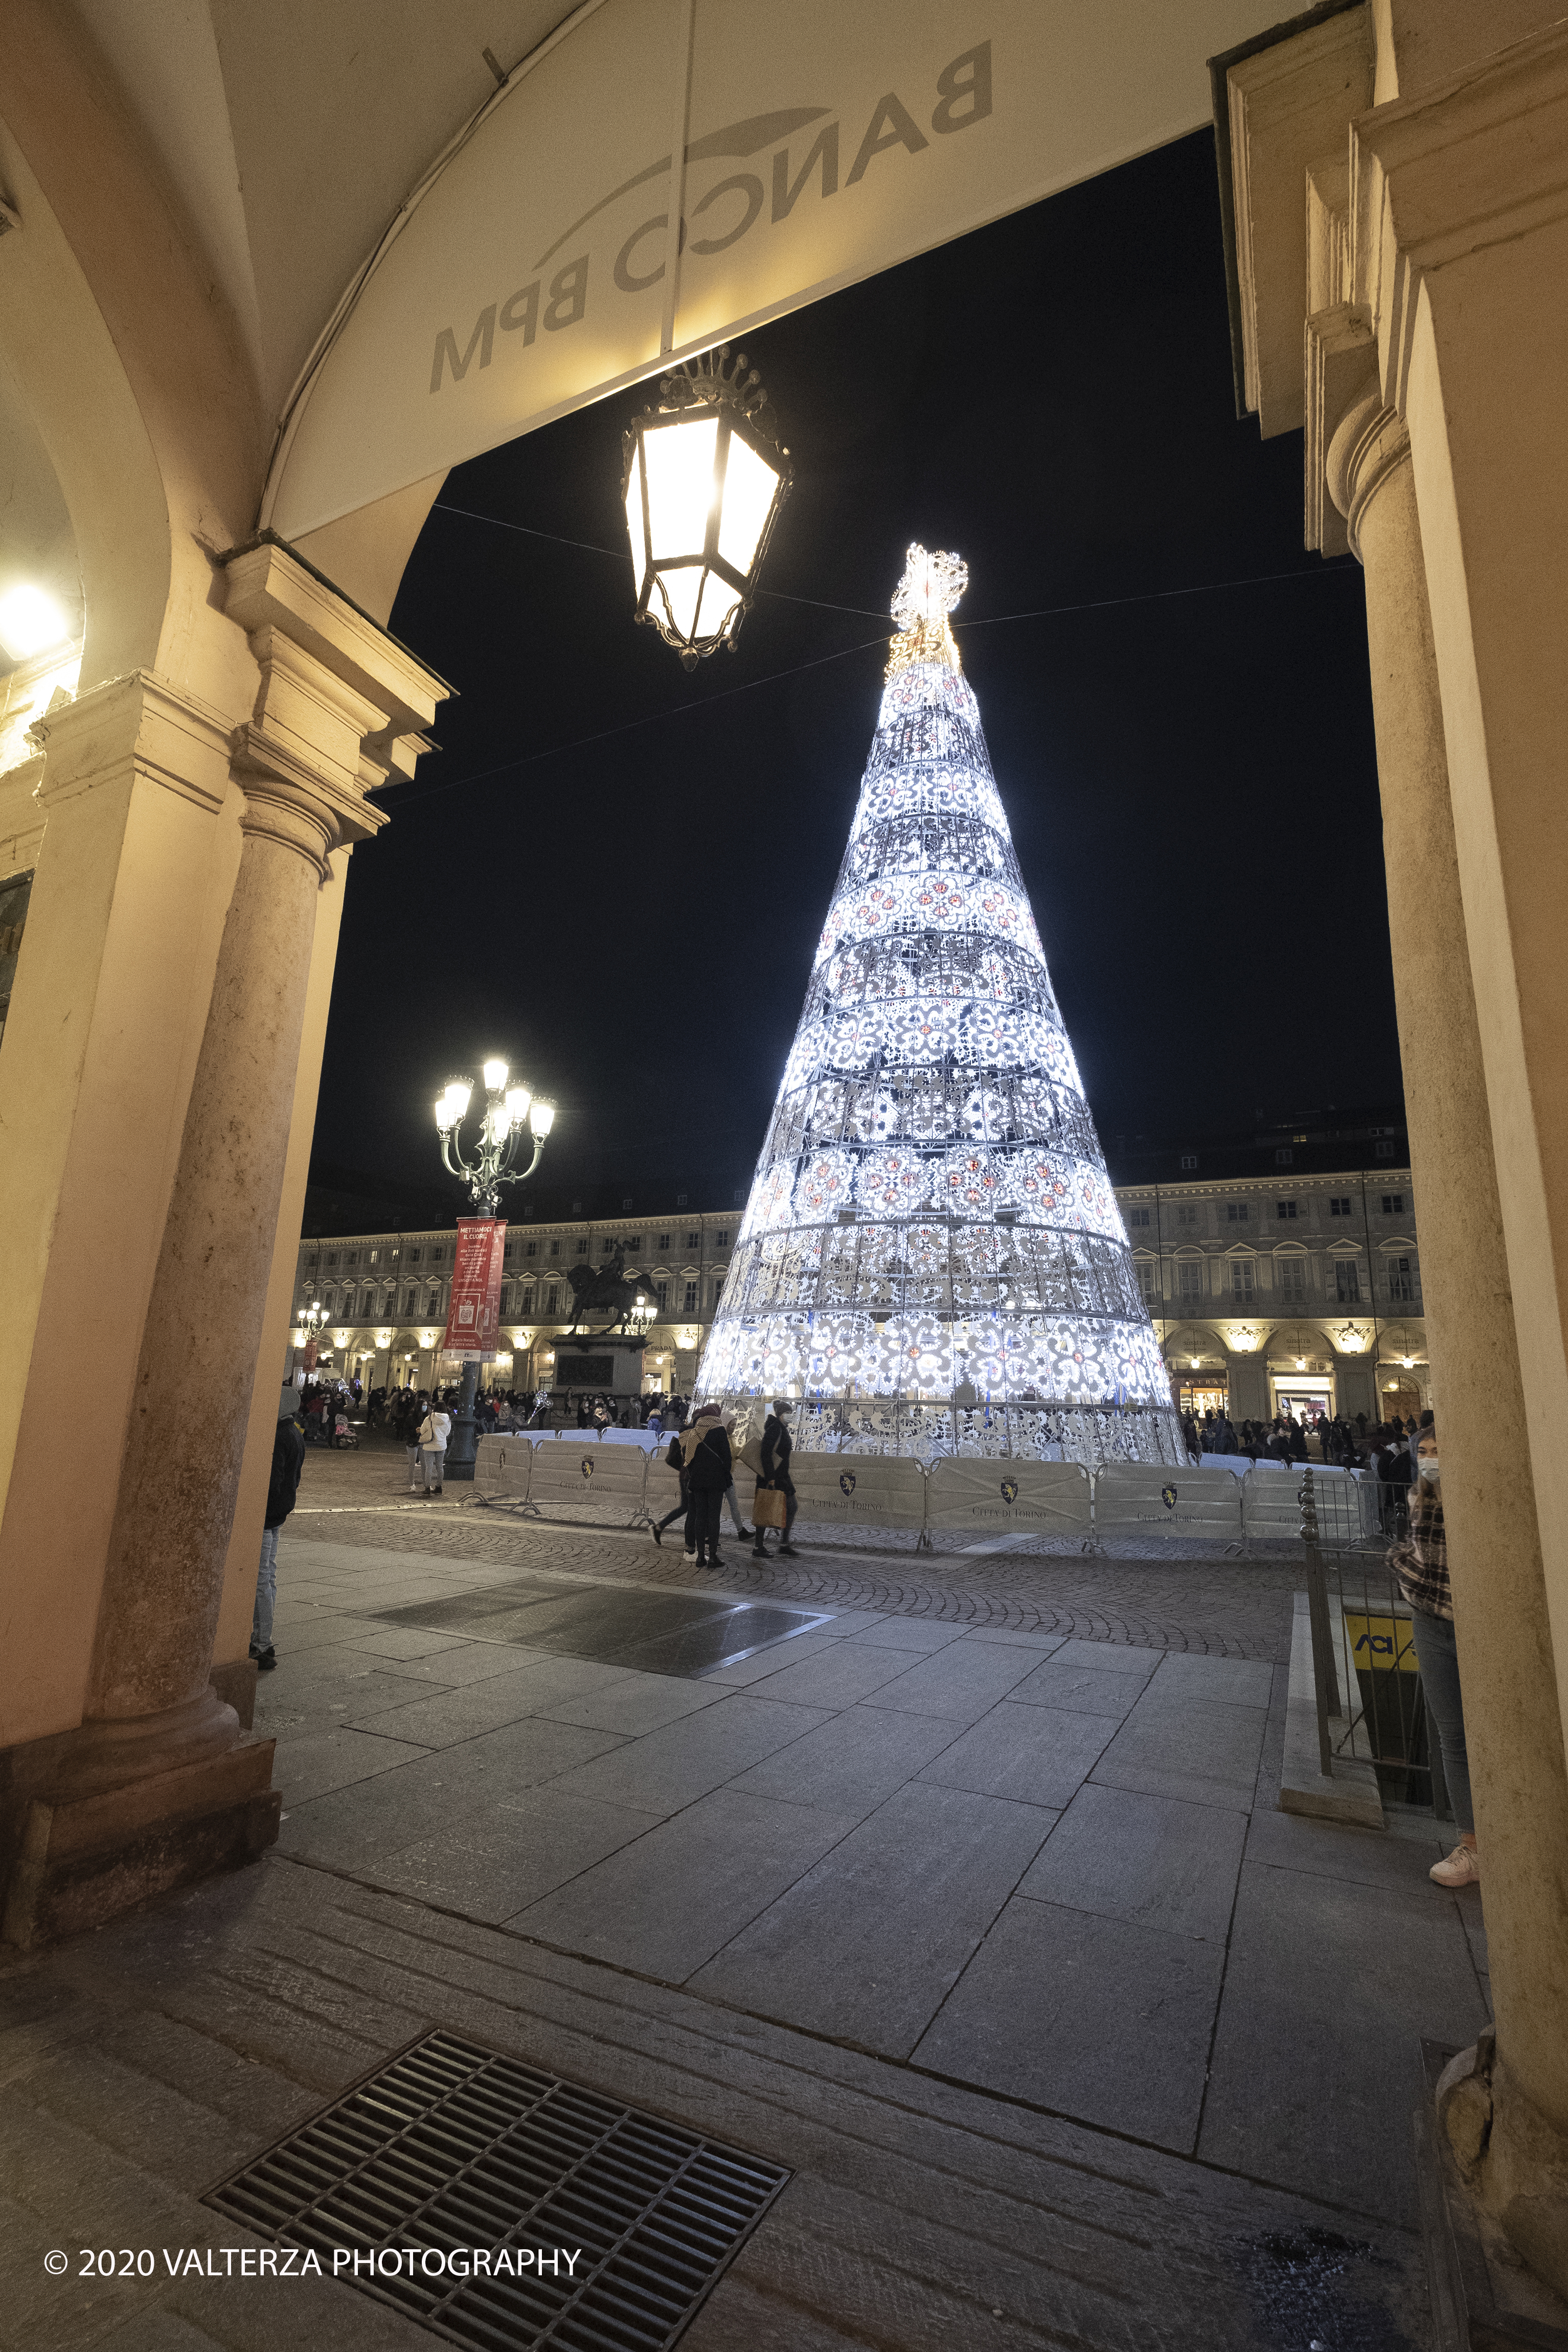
{"x": 1439, "y": 1663}
{"x": 265, "y": 1594}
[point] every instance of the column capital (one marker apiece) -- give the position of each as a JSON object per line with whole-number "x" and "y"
{"x": 1369, "y": 443}
{"x": 1340, "y": 350}
{"x": 1475, "y": 162}
{"x": 341, "y": 706}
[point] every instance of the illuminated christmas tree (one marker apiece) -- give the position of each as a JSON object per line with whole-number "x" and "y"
{"x": 931, "y": 1259}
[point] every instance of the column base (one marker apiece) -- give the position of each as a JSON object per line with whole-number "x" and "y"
{"x": 1489, "y": 2269}
{"x": 235, "y": 1686}
{"x": 101, "y": 1819}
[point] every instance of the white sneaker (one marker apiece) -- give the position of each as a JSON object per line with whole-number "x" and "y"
{"x": 1460, "y": 1868}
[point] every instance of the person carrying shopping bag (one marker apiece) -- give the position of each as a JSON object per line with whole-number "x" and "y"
{"x": 776, "y": 1449}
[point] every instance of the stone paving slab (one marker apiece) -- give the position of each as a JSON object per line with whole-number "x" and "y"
{"x": 1120, "y": 2018}
{"x": 840, "y": 1673}
{"x": 348, "y": 1829}
{"x": 852, "y": 1762}
{"x": 520, "y": 1851}
{"x": 665, "y": 1904}
{"x": 634, "y": 1703}
{"x": 1155, "y": 1861}
{"x": 675, "y": 1764}
{"x": 1195, "y": 1749}
{"x": 1320, "y": 1965}
{"x": 1085, "y": 1690}
{"x": 870, "y": 1941}
{"x": 1038, "y": 1755}
{"x": 962, "y": 1681}
{"x": 320, "y": 1761}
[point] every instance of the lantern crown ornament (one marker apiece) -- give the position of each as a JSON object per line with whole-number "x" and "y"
{"x": 703, "y": 482}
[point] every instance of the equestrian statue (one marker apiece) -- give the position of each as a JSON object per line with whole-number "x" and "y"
{"x": 611, "y": 1290}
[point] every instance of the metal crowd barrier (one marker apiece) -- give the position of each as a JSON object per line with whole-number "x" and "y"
{"x": 991, "y": 1495}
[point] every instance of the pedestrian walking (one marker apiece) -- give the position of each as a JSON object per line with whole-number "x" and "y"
{"x": 1420, "y": 1564}
{"x": 777, "y": 1447}
{"x": 434, "y": 1431}
{"x": 675, "y": 1458}
{"x": 283, "y": 1488}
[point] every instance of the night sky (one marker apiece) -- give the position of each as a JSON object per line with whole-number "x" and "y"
{"x": 1190, "y": 778}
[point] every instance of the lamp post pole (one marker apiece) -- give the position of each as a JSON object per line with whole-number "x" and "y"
{"x": 510, "y": 1112}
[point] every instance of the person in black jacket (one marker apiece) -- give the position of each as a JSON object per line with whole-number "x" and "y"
{"x": 777, "y": 1447}
{"x": 283, "y": 1488}
{"x": 710, "y": 1468}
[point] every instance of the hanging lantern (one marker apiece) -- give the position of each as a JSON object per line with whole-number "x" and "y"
{"x": 702, "y": 486}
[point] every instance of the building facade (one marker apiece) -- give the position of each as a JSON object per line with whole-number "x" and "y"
{"x": 1292, "y": 1293}
{"x": 1299, "y": 1291}
{"x": 383, "y": 1296}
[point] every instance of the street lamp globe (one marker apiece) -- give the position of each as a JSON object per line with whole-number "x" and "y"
{"x": 703, "y": 484}
{"x": 509, "y": 1113}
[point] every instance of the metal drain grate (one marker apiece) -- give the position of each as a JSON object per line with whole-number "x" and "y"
{"x": 454, "y": 2146}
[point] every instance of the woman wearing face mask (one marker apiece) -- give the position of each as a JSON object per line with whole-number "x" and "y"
{"x": 1420, "y": 1562}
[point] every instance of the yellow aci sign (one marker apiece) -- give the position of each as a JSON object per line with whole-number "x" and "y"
{"x": 1383, "y": 1644}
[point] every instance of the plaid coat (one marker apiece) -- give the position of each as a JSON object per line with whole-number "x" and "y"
{"x": 1420, "y": 1560}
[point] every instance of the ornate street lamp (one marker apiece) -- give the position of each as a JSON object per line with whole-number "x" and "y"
{"x": 310, "y": 1323}
{"x": 509, "y": 1113}
{"x": 703, "y": 484}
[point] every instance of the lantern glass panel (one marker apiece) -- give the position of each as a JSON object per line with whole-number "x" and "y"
{"x": 680, "y": 460}
{"x": 749, "y": 487}
{"x": 635, "y": 514}
{"x": 718, "y": 601}
{"x": 680, "y": 589}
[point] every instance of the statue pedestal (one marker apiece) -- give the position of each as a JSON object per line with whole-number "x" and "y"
{"x": 610, "y": 1366}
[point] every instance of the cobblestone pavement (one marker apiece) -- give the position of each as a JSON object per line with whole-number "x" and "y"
{"x": 1192, "y": 1601}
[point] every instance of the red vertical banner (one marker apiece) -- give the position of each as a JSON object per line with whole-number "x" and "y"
{"x": 476, "y": 1308}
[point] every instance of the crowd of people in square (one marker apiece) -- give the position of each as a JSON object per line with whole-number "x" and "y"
{"x": 1384, "y": 1449}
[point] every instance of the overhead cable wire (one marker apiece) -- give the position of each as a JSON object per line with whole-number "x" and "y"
{"x": 623, "y": 555}
{"x": 676, "y": 710}
{"x": 750, "y": 686}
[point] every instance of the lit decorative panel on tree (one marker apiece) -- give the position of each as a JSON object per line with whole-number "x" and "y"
{"x": 931, "y": 1259}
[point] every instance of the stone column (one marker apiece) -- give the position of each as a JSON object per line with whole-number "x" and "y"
{"x": 202, "y": 1330}
{"x": 1511, "y": 1718}
{"x": 156, "y": 1785}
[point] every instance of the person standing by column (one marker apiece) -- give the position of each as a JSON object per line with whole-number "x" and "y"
{"x": 288, "y": 1461}
{"x": 1420, "y": 1563}
{"x": 777, "y": 1447}
{"x": 434, "y": 1431}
